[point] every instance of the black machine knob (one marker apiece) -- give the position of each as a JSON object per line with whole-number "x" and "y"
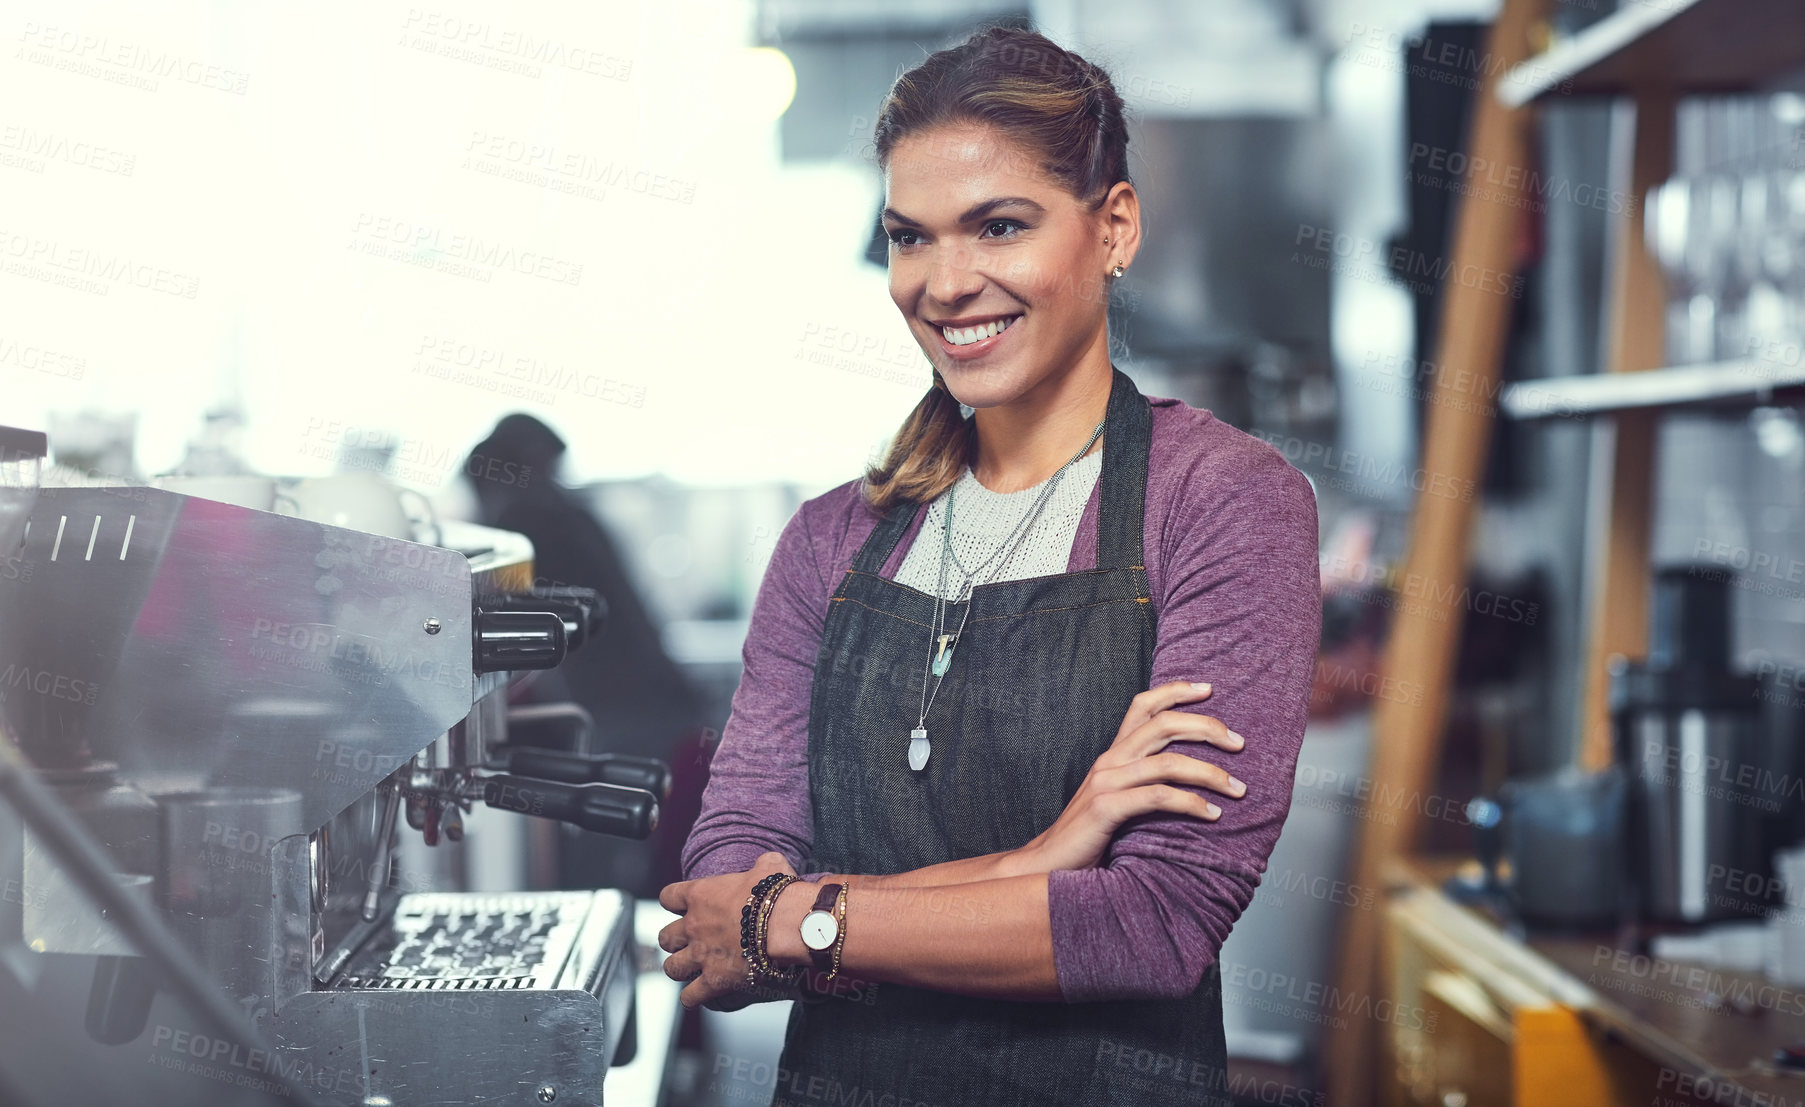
{"x": 600, "y": 808}
{"x": 625, "y": 770}
{"x": 508, "y": 640}
{"x": 582, "y": 610}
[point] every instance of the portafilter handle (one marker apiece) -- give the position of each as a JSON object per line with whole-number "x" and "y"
{"x": 625, "y": 770}
{"x": 600, "y": 808}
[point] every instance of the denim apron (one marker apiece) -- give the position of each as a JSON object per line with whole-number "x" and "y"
{"x": 1038, "y": 684}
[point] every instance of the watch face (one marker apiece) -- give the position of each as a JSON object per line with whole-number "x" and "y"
{"x": 819, "y": 928}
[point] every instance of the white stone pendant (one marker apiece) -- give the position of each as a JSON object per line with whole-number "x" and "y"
{"x": 918, "y": 748}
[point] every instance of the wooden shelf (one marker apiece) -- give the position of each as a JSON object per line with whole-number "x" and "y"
{"x": 1673, "y": 1013}
{"x": 1676, "y": 46}
{"x": 1721, "y": 384}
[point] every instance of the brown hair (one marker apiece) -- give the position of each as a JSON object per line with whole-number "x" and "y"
{"x": 1052, "y": 102}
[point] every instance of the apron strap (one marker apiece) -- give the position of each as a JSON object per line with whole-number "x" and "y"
{"x": 1122, "y": 485}
{"x": 876, "y": 550}
{"x": 1122, "y": 489}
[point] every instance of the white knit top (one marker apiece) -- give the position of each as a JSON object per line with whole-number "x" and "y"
{"x": 983, "y": 520}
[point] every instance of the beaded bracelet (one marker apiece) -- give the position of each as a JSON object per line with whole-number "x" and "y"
{"x": 781, "y": 976}
{"x": 749, "y": 926}
{"x": 762, "y": 947}
{"x": 754, "y": 924}
{"x": 840, "y": 929}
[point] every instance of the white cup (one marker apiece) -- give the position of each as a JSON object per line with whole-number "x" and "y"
{"x": 244, "y": 491}
{"x": 362, "y": 501}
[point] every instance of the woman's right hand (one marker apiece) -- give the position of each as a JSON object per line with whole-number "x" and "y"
{"x": 1135, "y": 776}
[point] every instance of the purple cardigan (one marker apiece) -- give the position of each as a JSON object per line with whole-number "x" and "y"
{"x": 1231, "y": 552}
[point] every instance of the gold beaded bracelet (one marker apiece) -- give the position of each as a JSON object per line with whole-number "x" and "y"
{"x": 749, "y": 920}
{"x": 840, "y": 928}
{"x": 760, "y": 949}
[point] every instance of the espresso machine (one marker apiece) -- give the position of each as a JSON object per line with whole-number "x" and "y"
{"x": 246, "y": 711}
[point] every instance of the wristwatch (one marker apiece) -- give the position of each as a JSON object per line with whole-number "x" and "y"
{"x": 820, "y": 929}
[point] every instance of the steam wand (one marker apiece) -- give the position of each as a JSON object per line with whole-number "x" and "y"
{"x": 379, "y": 870}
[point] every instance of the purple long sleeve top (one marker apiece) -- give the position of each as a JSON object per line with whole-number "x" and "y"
{"x": 1231, "y": 551}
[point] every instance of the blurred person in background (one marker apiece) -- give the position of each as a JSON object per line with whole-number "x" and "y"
{"x": 642, "y": 703}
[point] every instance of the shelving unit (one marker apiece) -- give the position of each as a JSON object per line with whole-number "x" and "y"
{"x": 1649, "y": 53}
{"x": 1680, "y": 46}
{"x": 1729, "y": 384}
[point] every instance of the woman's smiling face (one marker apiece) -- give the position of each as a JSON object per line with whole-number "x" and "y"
{"x": 980, "y": 237}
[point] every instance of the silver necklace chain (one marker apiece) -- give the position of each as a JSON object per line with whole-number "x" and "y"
{"x": 947, "y": 551}
{"x": 1017, "y": 536}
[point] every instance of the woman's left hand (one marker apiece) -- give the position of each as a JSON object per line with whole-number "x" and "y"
{"x": 704, "y": 945}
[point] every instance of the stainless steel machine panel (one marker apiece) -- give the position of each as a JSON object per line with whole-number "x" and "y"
{"x": 198, "y": 644}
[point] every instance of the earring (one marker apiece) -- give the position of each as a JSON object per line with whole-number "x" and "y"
{"x": 1116, "y": 272}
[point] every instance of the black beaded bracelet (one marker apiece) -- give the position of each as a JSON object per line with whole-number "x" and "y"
{"x": 760, "y": 945}
{"x": 752, "y": 928}
{"x": 749, "y": 925}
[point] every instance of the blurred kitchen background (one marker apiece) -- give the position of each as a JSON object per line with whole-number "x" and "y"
{"x": 374, "y": 233}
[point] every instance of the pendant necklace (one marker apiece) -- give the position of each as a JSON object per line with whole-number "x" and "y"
{"x": 939, "y": 659}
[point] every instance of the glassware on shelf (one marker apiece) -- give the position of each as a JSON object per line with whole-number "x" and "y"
{"x": 1728, "y": 230}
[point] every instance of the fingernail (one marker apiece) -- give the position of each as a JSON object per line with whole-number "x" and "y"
{"x": 1201, "y": 685}
{"x": 1239, "y": 741}
{"x": 1239, "y": 787}
{"x": 1215, "y": 812}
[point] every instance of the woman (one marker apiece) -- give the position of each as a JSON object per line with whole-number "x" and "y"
{"x": 993, "y": 738}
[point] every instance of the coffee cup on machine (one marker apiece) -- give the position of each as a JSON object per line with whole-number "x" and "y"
{"x": 241, "y": 491}
{"x": 365, "y": 502}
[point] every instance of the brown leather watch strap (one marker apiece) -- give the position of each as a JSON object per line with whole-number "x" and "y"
{"x": 824, "y": 901}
